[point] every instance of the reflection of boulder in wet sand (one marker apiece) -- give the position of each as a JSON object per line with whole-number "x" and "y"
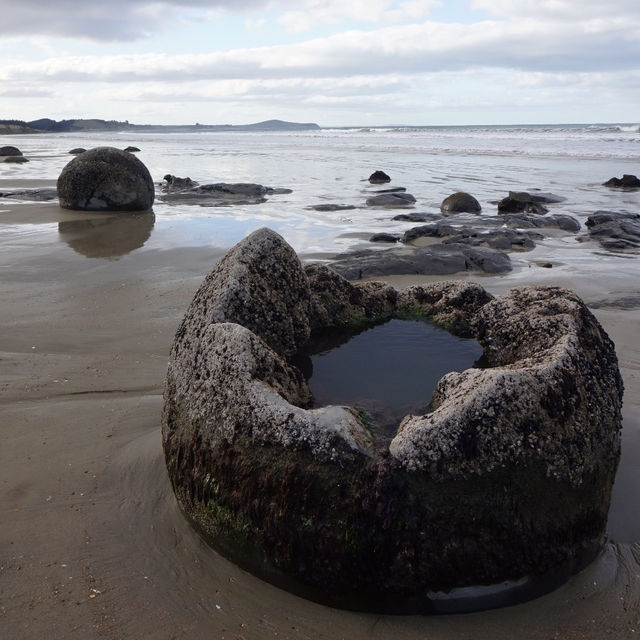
{"x": 106, "y": 179}
{"x": 507, "y": 477}
{"x": 108, "y": 237}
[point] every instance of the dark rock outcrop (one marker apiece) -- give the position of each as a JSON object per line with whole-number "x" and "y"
{"x": 505, "y": 239}
{"x": 391, "y": 200}
{"x": 105, "y": 179}
{"x": 460, "y": 202}
{"x": 131, "y": 149}
{"x": 30, "y": 195}
{"x": 437, "y": 259}
{"x": 77, "y": 151}
{"x": 521, "y": 202}
{"x": 384, "y": 237}
{"x": 331, "y": 207}
{"x": 506, "y": 478}
{"x": 219, "y": 193}
{"x": 627, "y": 181}
{"x": 615, "y": 229}
{"x": 379, "y": 177}
{"x": 555, "y": 220}
{"x": 174, "y": 183}
{"x": 10, "y": 151}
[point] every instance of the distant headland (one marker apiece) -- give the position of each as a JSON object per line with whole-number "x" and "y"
{"x": 47, "y": 125}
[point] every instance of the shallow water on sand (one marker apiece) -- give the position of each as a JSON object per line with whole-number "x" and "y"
{"x": 92, "y": 541}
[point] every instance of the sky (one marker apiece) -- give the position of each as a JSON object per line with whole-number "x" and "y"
{"x": 333, "y": 62}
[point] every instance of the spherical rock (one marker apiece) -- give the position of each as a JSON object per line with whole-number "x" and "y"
{"x": 106, "y": 179}
{"x": 10, "y": 151}
{"x": 460, "y": 202}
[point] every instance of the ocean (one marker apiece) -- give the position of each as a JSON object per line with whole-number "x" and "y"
{"x": 330, "y": 166}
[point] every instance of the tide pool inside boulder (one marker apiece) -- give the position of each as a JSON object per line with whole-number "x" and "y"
{"x": 387, "y": 370}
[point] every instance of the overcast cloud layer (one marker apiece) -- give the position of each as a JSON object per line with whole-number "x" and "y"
{"x": 334, "y": 62}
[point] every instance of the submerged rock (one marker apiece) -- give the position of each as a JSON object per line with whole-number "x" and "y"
{"x": 131, "y": 149}
{"x": 331, "y": 207}
{"x": 393, "y": 199}
{"x": 77, "y": 151}
{"x": 105, "y": 179}
{"x": 506, "y": 478}
{"x": 460, "y": 202}
{"x": 32, "y": 195}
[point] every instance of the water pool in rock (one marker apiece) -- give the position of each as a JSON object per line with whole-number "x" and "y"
{"x": 387, "y": 370}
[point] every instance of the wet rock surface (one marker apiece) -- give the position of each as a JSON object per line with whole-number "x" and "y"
{"x": 185, "y": 191}
{"x": 437, "y": 259}
{"x": 508, "y": 476}
{"x": 379, "y": 177}
{"x": 460, "y": 202}
{"x": 615, "y": 229}
{"x": 522, "y": 202}
{"x": 33, "y": 195}
{"x": 9, "y": 150}
{"x": 505, "y": 239}
{"x": 105, "y": 179}
{"x": 391, "y": 199}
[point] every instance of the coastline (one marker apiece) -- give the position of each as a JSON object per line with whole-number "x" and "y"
{"x": 92, "y": 538}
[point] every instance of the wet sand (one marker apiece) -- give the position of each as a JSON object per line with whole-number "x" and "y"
{"x": 92, "y": 543}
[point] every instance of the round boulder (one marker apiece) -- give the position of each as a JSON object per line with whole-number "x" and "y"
{"x": 106, "y": 179}
{"x": 501, "y": 488}
{"x": 10, "y": 151}
{"x": 460, "y": 202}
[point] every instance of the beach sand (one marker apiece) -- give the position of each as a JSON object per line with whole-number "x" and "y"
{"x": 92, "y": 544}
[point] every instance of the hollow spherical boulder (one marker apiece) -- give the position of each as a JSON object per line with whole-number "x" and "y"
{"x": 502, "y": 487}
{"x": 106, "y": 179}
{"x": 460, "y": 202}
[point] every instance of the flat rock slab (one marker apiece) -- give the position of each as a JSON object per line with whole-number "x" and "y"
{"x": 219, "y": 193}
{"x": 437, "y": 259}
{"x": 504, "y": 239}
{"x": 615, "y": 229}
{"x": 33, "y": 195}
{"x": 506, "y": 480}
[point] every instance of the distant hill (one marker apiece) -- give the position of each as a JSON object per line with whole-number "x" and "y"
{"x": 48, "y": 125}
{"x": 14, "y": 127}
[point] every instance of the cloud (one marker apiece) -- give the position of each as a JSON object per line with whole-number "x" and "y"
{"x": 311, "y": 13}
{"x": 137, "y": 19}
{"x": 524, "y": 44}
{"x": 558, "y": 9}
